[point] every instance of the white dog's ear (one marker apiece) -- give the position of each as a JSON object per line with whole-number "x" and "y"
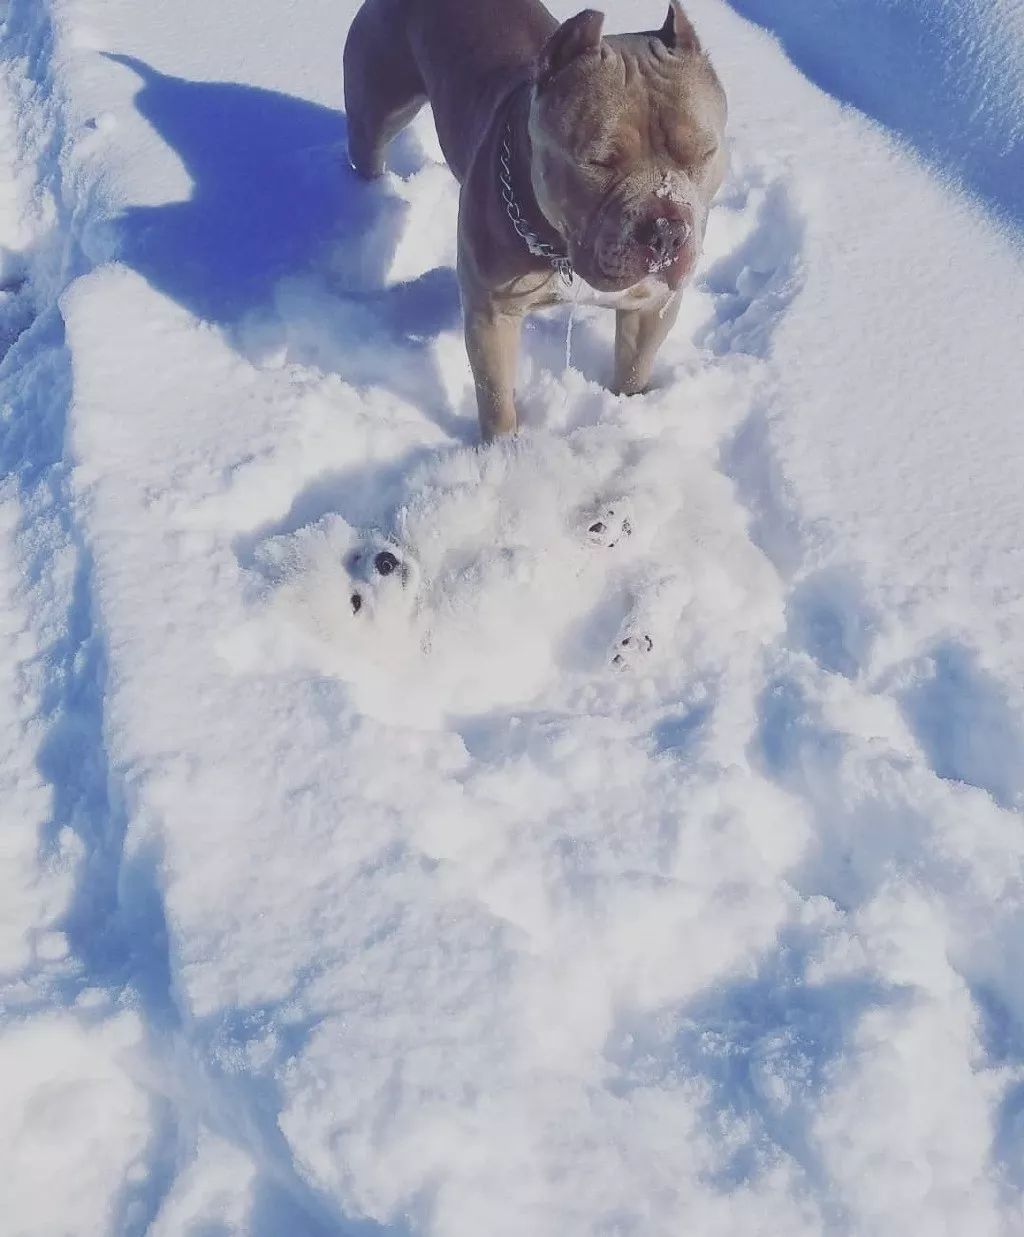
{"x": 678, "y": 32}
{"x": 573, "y": 38}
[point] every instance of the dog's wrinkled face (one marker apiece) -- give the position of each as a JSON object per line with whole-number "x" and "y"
{"x": 628, "y": 148}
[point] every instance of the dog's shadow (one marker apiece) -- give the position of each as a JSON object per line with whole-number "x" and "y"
{"x": 272, "y": 192}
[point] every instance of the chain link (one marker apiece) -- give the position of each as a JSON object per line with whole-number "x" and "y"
{"x": 540, "y": 249}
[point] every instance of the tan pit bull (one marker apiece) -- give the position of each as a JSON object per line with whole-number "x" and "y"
{"x": 580, "y": 158}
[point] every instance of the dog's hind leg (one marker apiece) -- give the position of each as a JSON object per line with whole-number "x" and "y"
{"x": 383, "y": 87}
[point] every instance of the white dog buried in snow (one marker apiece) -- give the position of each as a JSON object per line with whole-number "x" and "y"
{"x": 355, "y": 605}
{"x": 494, "y": 592}
{"x": 499, "y": 580}
{"x": 580, "y": 157}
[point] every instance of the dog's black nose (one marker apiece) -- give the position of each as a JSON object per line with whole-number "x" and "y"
{"x": 385, "y": 563}
{"x": 663, "y": 236}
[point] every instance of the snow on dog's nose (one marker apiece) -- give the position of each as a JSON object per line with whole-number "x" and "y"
{"x": 662, "y": 235}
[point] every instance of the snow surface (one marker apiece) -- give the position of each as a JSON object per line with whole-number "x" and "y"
{"x": 433, "y": 919}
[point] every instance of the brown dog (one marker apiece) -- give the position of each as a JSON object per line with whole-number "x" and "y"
{"x": 578, "y": 156}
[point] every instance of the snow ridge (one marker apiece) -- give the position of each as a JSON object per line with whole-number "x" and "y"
{"x": 64, "y": 965}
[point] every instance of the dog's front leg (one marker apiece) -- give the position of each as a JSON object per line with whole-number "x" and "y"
{"x": 638, "y": 336}
{"x": 492, "y": 341}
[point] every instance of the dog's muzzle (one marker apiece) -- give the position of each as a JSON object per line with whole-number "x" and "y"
{"x": 658, "y": 237}
{"x": 661, "y": 237}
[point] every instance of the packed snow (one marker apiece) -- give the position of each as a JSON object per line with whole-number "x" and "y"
{"x": 665, "y": 878}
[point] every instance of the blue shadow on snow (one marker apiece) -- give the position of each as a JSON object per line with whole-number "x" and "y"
{"x": 908, "y": 67}
{"x": 272, "y": 196}
{"x": 969, "y": 731}
{"x": 269, "y": 186}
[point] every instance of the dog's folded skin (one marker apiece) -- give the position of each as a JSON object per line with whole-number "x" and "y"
{"x": 570, "y": 148}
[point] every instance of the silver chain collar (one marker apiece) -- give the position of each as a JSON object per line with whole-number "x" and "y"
{"x": 540, "y": 249}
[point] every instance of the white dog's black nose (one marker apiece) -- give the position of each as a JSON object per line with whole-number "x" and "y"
{"x": 385, "y": 563}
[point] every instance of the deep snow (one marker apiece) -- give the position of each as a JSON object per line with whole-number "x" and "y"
{"x": 436, "y": 919}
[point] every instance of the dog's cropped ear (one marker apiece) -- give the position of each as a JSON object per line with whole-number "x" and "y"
{"x": 579, "y": 34}
{"x": 678, "y": 33}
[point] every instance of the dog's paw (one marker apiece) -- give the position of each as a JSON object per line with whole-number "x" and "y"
{"x": 608, "y": 524}
{"x": 632, "y": 650}
{"x": 382, "y": 575}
